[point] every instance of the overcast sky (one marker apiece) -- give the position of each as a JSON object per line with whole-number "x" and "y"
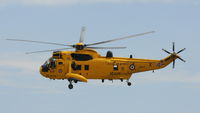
{"x": 23, "y": 89}
{"x": 72, "y": 2}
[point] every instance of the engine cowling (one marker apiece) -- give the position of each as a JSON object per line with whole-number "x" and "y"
{"x": 109, "y": 54}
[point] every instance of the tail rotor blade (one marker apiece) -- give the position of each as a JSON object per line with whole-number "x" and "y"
{"x": 181, "y": 50}
{"x": 181, "y": 59}
{"x": 174, "y": 64}
{"x": 166, "y": 51}
{"x": 173, "y": 47}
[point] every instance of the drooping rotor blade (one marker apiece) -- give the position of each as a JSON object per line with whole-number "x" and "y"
{"x": 181, "y": 50}
{"x": 82, "y": 34}
{"x": 107, "y": 47}
{"x": 166, "y": 51}
{"x": 41, "y": 42}
{"x": 131, "y": 36}
{"x": 181, "y": 59}
{"x": 47, "y": 50}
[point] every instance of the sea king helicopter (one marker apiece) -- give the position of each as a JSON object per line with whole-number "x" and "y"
{"x": 85, "y": 63}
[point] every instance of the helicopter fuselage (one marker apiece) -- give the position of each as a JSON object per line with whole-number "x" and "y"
{"x": 85, "y": 63}
{"x": 89, "y": 64}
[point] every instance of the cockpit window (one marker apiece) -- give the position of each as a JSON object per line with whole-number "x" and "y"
{"x": 50, "y": 63}
{"x": 81, "y": 57}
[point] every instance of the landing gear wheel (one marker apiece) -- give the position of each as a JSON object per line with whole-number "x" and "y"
{"x": 70, "y": 86}
{"x": 129, "y": 83}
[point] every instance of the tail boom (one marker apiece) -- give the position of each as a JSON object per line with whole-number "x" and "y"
{"x": 142, "y": 66}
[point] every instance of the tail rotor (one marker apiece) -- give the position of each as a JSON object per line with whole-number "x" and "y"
{"x": 175, "y": 54}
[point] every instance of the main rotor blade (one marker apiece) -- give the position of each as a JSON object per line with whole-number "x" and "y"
{"x": 131, "y": 36}
{"x": 181, "y": 50}
{"x": 166, "y": 51}
{"x": 82, "y": 34}
{"x": 173, "y": 48}
{"x": 41, "y": 42}
{"x": 47, "y": 50}
{"x": 107, "y": 47}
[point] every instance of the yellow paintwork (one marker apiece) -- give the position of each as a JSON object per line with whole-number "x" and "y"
{"x": 79, "y": 44}
{"x": 101, "y": 67}
{"x": 76, "y": 76}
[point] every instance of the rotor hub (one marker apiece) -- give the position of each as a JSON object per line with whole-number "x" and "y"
{"x": 79, "y": 46}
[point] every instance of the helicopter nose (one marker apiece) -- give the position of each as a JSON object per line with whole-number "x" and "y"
{"x": 40, "y": 69}
{"x": 43, "y": 71}
{"x": 44, "y": 68}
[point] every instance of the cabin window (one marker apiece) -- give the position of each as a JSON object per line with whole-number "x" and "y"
{"x": 115, "y": 67}
{"x": 75, "y": 67}
{"x": 60, "y": 63}
{"x": 86, "y": 67}
{"x": 78, "y": 67}
{"x": 81, "y": 57}
{"x": 57, "y": 55}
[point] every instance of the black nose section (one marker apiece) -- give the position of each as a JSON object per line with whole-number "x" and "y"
{"x": 45, "y": 68}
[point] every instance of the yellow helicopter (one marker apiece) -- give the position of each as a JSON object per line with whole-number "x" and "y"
{"x": 85, "y": 63}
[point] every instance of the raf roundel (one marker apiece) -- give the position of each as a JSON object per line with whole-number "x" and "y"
{"x": 132, "y": 67}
